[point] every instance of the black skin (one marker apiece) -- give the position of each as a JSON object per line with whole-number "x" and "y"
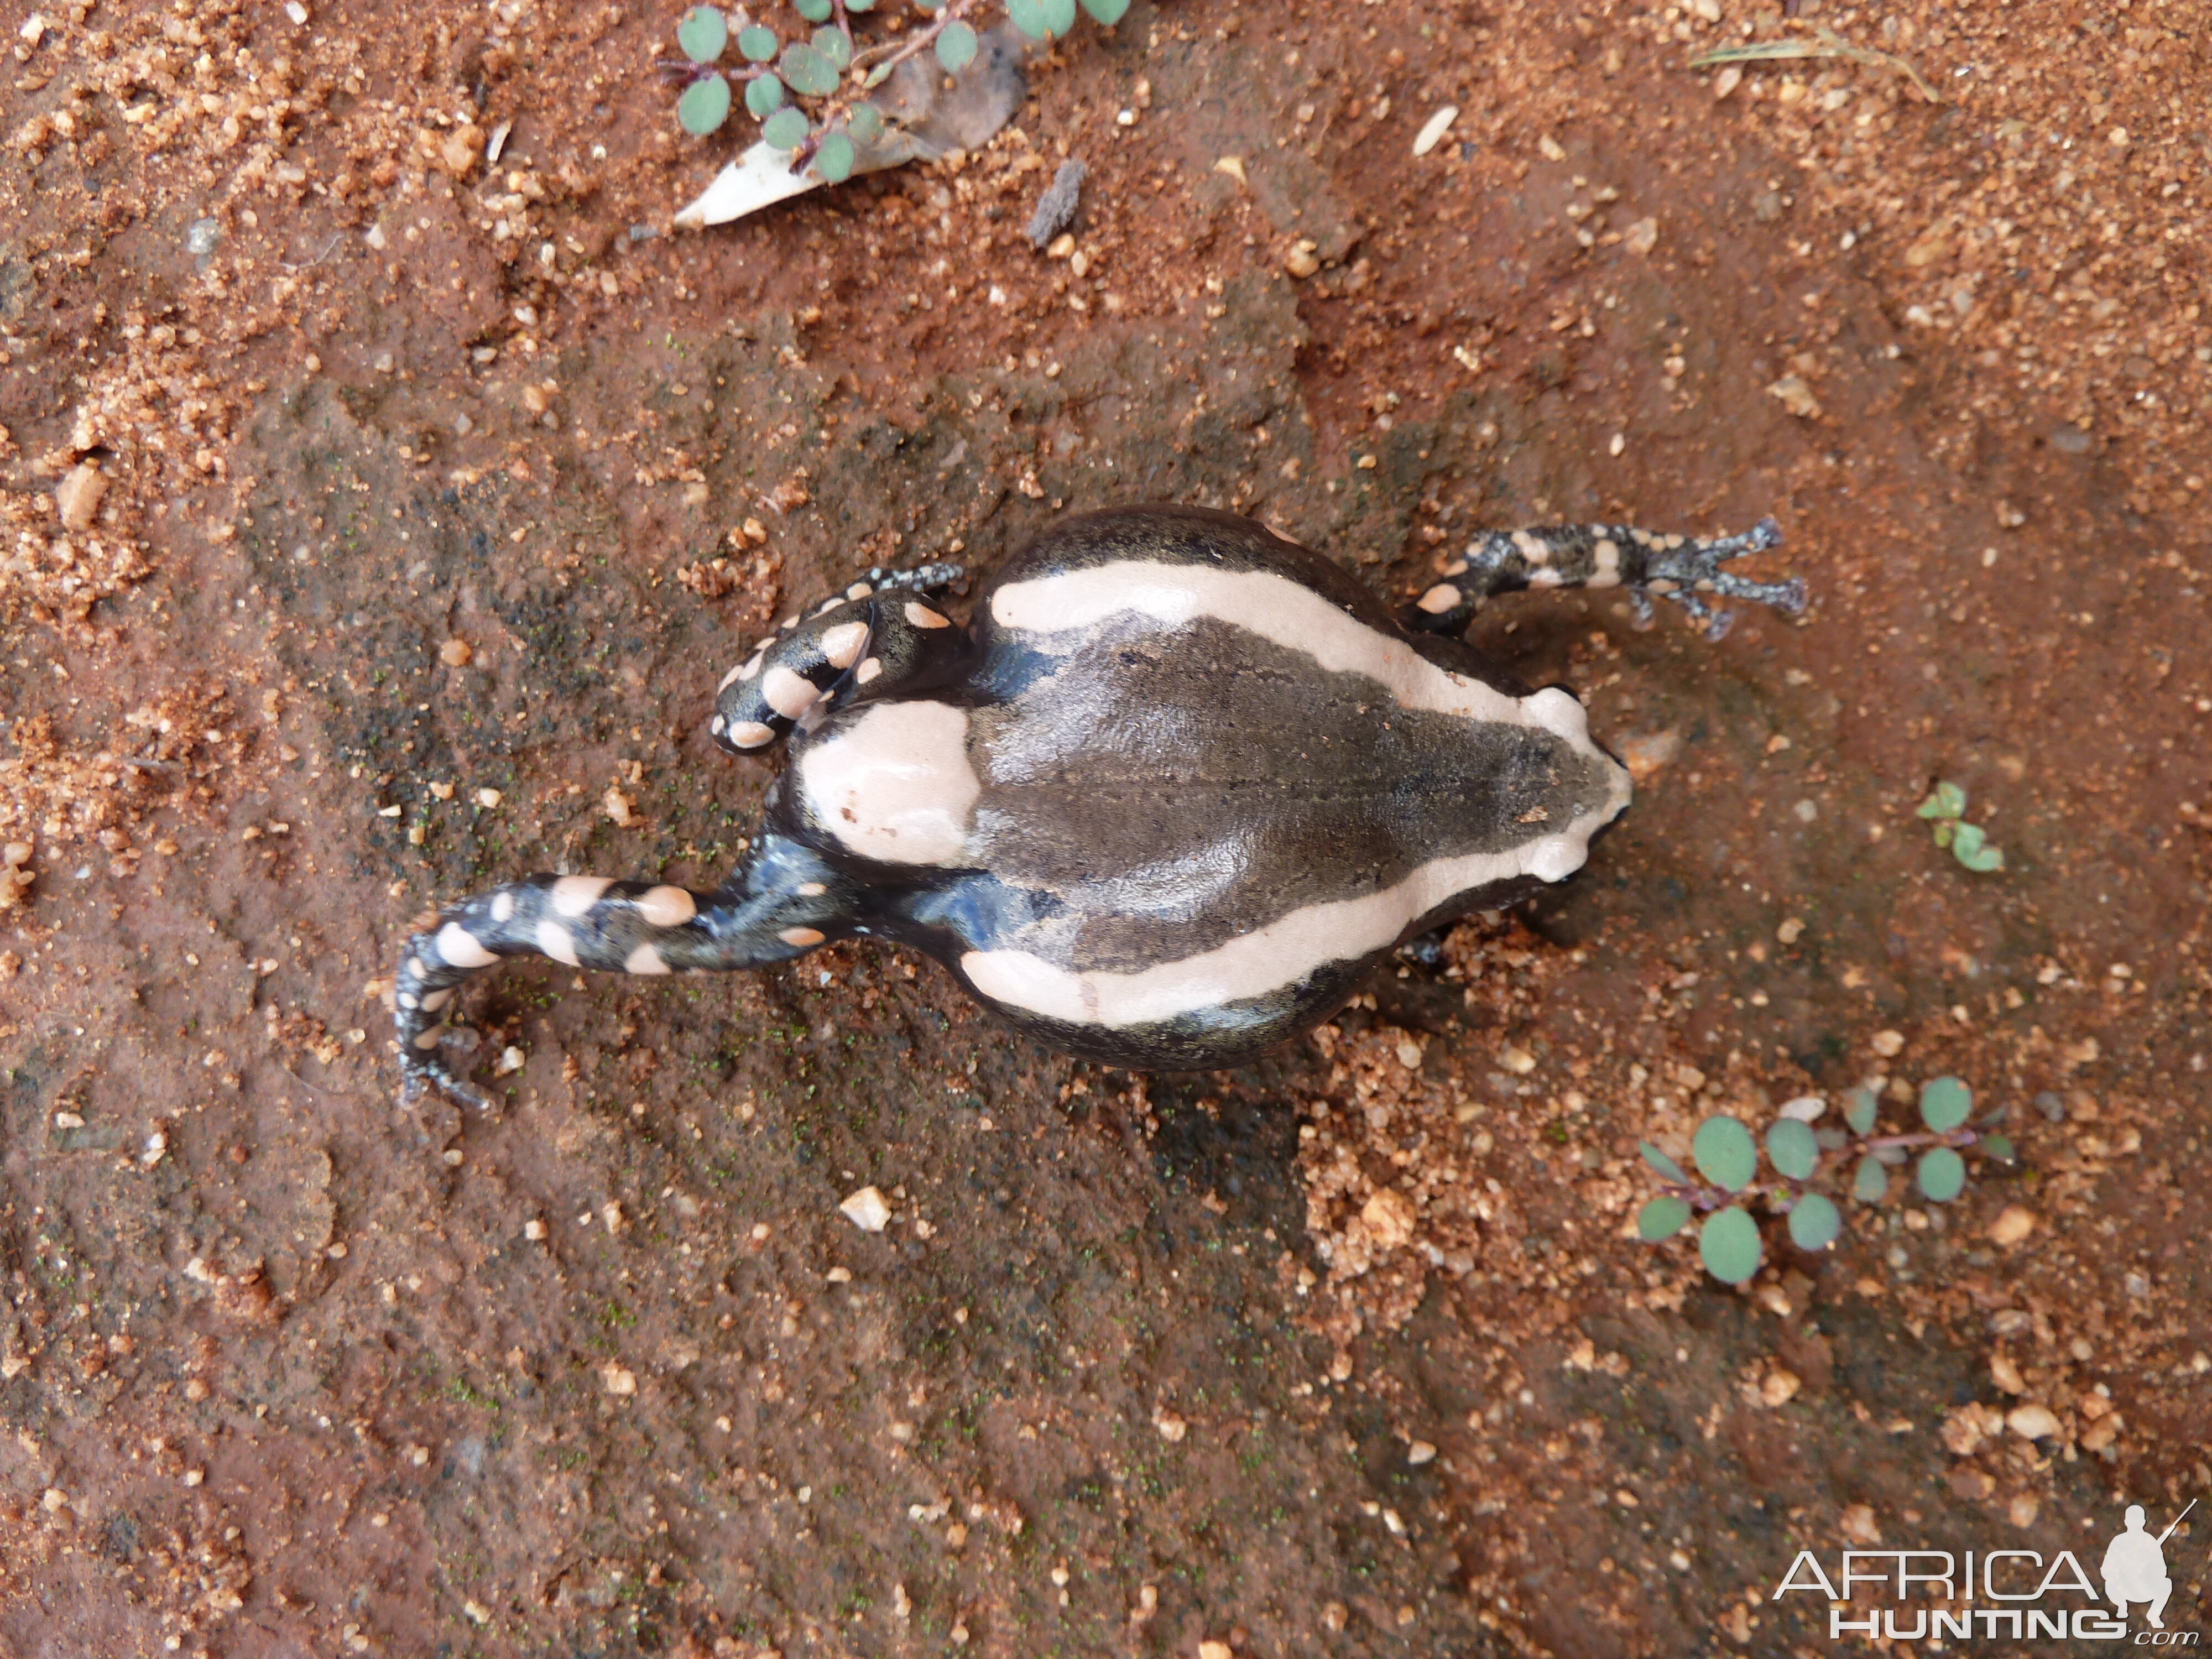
{"x": 797, "y": 888}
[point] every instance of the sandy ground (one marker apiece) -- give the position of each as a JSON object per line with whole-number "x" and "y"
{"x": 380, "y": 522}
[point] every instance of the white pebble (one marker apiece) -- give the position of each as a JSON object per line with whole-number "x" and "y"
{"x": 867, "y": 1209}
{"x": 1433, "y": 129}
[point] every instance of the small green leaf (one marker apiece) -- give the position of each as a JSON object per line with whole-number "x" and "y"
{"x": 1792, "y": 1148}
{"x": 1870, "y": 1181}
{"x": 956, "y": 47}
{"x": 1858, "y": 1110}
{"x": 1942, "y": 1174}
{"x": 1814, "y": 1222}
{"x": 704, "y": 105}
{"x": 1109, "y": 12}
{"x": 1028, "y": 17}
{"x": 833, "y": 44}
{"x": 807, "y": 72}
{"x": 865, "y": 124}
{"x": 1979, "y": 857}
{"x": 877, "y": 76}
{"x": 834, "y": 159}
{"x": 703, "y": 32}
{"x": 1661, "y": 1218}
{"x": 1945, "y": 1103}
{"x": 1949, "y": 801}
{"x": 929, "y": 5}
{"x": 814, "y": 11}
{"x": 1060, "y": 15}
{"x": 1998, "y": 1147}
{"x": 763, "y": 96}
{"x": 1659, "y": 1161}
{"x": 758, "y": 43}
{"x": 860, "y": 5}
{"x": 1728, "y": 1243}
{"x": 1724, "y": 1150}
{"x": 1944, "y": 831}
{"x": 785, "y": 130}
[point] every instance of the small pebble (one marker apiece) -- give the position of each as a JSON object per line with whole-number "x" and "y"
{"x": 2031, "y": 1422}
{"x": 2053, "y": 1108}
{"x": 1888, "y": 1044}
{"x": 78, "y": 494}
{"x": 1420, "y": 1452}
{"x": 1433, "y": 129}
{"x": 1302, "y": 261}
{"x": 867, "y": 1209}
{"x": 455, "y": 653}
{"x": 2012, "y": 1225}
{"x": 201, "y": 237}
{"x": 487, "y": 799}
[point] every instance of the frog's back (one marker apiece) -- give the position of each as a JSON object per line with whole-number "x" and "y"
{"x": 1199, "y": 769}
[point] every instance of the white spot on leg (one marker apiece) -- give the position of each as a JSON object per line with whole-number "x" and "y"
{"x": 437, "y": 1000}
{"x": 751, "y": 734}
{"x": 558, "y": 942}
{"x": 788, "y": 694}
{"x": 811, "y": 889}
{"x": 1530, "y": 548}
{"x": 868, "y": 670}
{"x": 843, "y": 642}
{"x": 646, "y": 959}
{"x": 859, "y": 591}
{"x": 715, "y": 726}
{"x": 573, "y": 895}
{"x": 408, "y": 1000}
{"x": 459, "y": 947}
{"x": 502, "y": 907}
{"x": 923, "y": 616}
{"x": 1607, "y": 574}
{"x": 1440, "y": 599}
{"x": 666, "y": 907}
{"x": 430, "y": 1039}
{"x": 801, "y": 937}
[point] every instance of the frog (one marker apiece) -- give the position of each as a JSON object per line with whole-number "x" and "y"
{"x": 1163, "y": 802}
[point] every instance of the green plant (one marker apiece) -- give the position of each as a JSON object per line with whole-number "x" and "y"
{"x": 807, "y": 85}
{"x": 1945, "y": 811}
{"x": 1728, "y": 1240}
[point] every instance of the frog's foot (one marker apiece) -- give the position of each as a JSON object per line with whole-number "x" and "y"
{"x": 1683, "y": 569}
{"x": 870, "y": 637}
{"x": 1691, "y": 570}
{"x": 419, "y": 1073}
{"x": 784, "y": 902}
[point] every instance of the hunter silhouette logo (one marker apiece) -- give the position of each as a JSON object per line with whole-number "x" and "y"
{"x": 2134, "y": 1566}
{"x": 2008, "y": 1595}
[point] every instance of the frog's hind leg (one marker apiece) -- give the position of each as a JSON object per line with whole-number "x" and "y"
{"x": 874, "y": 633}
{"x": 1684, "y": 569}
{"x": 783, "y": 903}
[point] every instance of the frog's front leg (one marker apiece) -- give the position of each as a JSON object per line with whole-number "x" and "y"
{"x": 1683, "y": 569}
{"x": 875, "y": 634}
{"x": 783, "y": 903}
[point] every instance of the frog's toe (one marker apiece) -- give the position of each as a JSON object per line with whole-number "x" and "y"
{"x": 419, "y": 1073}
